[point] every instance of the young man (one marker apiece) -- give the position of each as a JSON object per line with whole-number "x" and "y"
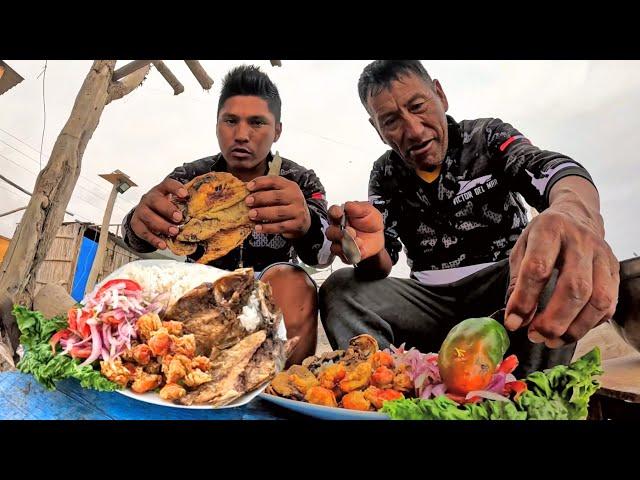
{"x": 448, "y": 191}
{"x": 289, "y": 209}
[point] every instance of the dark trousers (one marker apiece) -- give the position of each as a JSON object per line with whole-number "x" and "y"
{"x": 398, "y": 310}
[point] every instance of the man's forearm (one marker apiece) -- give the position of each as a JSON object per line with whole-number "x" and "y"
{"x": 579, "y": 193}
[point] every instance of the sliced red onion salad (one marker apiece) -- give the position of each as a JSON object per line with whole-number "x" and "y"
{"x": 112, "y": 314}
{"x": 424, "y": 373}
{"x": 422, "y": 368}
{"x": 159, "y": 304}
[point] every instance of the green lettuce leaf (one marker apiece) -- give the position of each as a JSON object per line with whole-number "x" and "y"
{"x": 559, "y": 393}
{"x": 46, "y": 366}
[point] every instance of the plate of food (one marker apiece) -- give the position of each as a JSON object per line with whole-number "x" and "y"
{"x": 468, "y": 379}
{"x": 322, "y": 412}
{"x": 164, "y": 332}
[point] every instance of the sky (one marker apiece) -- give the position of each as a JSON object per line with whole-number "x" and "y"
{"x": 584, "y": 109}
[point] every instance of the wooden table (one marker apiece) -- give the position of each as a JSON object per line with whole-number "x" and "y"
{"x": 23, "y": 398}
{"x": 619, "y": 394}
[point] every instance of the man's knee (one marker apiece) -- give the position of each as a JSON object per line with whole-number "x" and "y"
{"x": 291, "y": 276}
{"x": 292, "y": 285}
{"x": 339, "y": 284}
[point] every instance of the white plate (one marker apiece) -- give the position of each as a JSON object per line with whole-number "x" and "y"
{"x": 216, "y": 273}
{"x": 154, "y": 398}
{"x": 320, "y": 411}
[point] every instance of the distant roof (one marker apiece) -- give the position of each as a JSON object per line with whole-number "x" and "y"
{"x": 9, "y": 78}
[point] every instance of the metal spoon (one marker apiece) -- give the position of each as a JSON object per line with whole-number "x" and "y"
{"x": 349, "y": 246}
{"x": 498, "y": 315}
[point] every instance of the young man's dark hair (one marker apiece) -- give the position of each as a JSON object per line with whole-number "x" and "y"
{"x": 249, "y": 80}
{"x": 379, "y": 75}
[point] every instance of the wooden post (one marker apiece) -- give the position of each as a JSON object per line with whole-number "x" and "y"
{"x": 129, "y": 68}
{"x": 102, "y": 243}
{"x": 168, "y": 75}
{"x": 204, "y": 80}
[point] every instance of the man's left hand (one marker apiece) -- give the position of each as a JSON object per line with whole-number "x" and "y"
{"x": 569, "y": 236}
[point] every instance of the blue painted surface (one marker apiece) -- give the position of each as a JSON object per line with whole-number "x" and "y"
{"x": 23, "y": 398}
{"x": 86, "y": 255}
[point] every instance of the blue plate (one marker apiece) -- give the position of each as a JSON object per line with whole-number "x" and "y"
{"x": 324, "y": 413}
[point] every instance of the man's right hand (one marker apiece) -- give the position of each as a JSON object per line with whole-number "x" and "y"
{"x": 364, "y": 223}
{"x": 157, "y": 215}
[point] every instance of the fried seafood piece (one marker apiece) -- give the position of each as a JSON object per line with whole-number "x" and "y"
{"x": 173, "y": 327}
{"x": 172, "y": 391}
{"x": 217, "y": 328}
{"x": 382, "y": 377}
{"x": 196, "y": 377}
{"x": 180, "y": 248}
{"x": 377, "y": 396}
{"x": 207, "y": 224}
{"x": 381, "y": 359}
{"x": 316, "y": 362}
{"x": 140, "y": 354}
{"x": 201, "y": 362}
{"x": 177, "y": 367}
{"x": 185, "y": 345}
{"x": 356, "y": 401}
{"x": 223, "y": 241}
{"x": 160, "y": 342}
{"x": 115, "y": 371}
{"x": 215, "y": 213}
{"x": 331, "y": 375}
{"x": 281, "y": 387}
{"x": 214, "y": 191}
{"x": 132, "y": 367}
{"x": 147, "y": 324}
{"x": 152, "y": 367}
{"x": 302, "y": 379}
{"x": 144, "y": 382}
{"x": 357, "y": 378}
{"x": 321, "y": 396}
{"x": 360, "y": 349}
{"x": 166, "y": 362}
{"x": 402, "y": 381}
{"x": 293, "y": 383}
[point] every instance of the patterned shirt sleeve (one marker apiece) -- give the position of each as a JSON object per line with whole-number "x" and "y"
{"x": 381, "y": 198}
{"x": 136, "y": 243}
{"x": 534, "y": 171}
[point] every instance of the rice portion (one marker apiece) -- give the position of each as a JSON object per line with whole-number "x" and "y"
{"x": 160, "y": 276}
